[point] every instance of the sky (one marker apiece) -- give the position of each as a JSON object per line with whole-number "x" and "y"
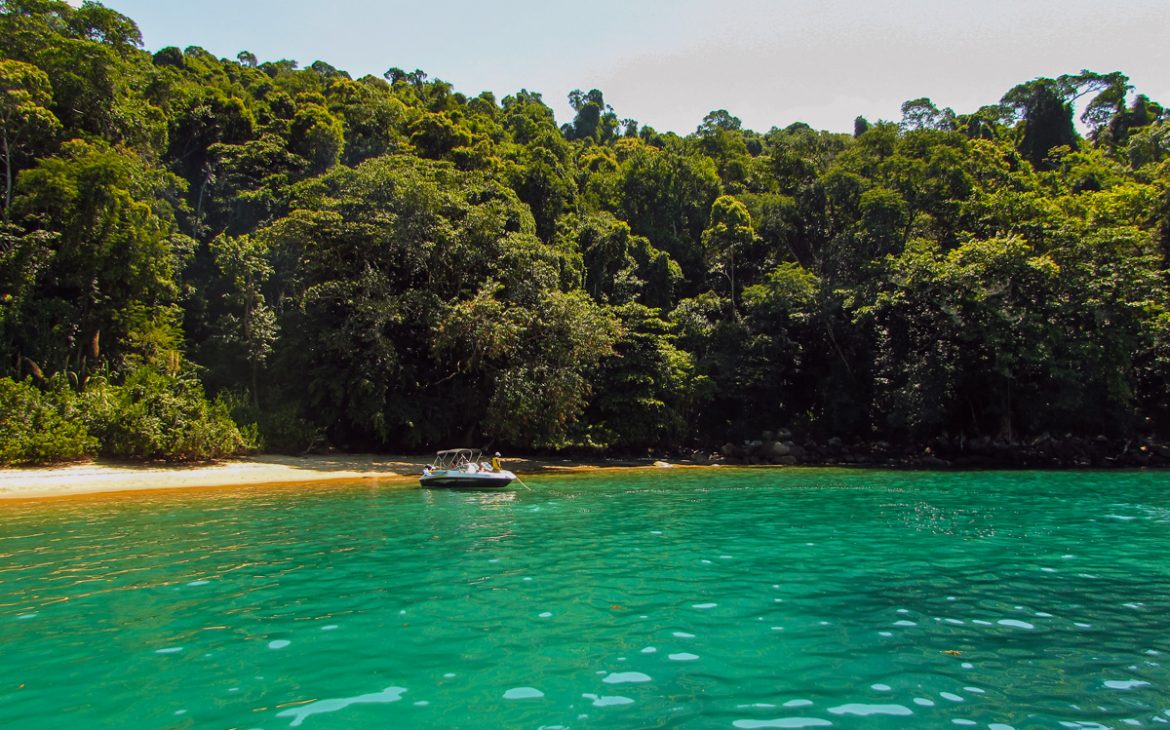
{"x": 667, "y": 63}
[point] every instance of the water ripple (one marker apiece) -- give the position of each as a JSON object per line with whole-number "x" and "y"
{"x": 751, "y": 598}
{"x": 321, "y": 707}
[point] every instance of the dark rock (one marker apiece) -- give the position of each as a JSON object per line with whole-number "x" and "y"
{"x": 1043, "y": 451}
{"x": 775, "y": 450}
{"x": 980, "y": 445}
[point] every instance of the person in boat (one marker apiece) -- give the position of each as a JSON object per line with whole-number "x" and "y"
{"x": 496, "y": 462}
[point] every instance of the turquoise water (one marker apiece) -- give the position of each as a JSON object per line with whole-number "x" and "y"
{"x": 667, "y": 598}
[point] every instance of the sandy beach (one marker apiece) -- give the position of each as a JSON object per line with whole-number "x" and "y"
{"x": 110, "y": 477}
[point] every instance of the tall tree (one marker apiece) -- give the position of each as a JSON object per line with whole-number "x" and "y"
{"x": 110, "y": 289}
{"x": 728, "y": 232}
{"x": 595, "y": 119}
{"x": 250, "y": 326}
{"x": 1047, "y": 118}
{"x": 25, "y": 119}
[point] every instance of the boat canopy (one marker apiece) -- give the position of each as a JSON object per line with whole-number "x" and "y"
{"x": 451, "y": 458}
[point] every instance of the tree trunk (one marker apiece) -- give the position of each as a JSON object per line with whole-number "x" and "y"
{"x": 734, "y": 311}
{"x": 4, "y": 151}
{"x": 1006, "y": 432}
{"x": 255, "y": 388}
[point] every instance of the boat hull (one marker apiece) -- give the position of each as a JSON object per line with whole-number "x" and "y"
{"x": 481, "y": 480}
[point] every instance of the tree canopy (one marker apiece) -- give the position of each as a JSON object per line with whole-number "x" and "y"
{"x": 205, "y": 254}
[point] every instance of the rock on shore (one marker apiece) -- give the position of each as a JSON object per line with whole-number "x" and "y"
{"x": 1045, "y": 451}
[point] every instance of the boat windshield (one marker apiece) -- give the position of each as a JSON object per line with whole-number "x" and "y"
{"x": 455, "y": 458}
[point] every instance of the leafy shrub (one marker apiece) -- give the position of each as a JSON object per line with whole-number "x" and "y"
{"x": 284, "y": 432}
{"x": 154, "y": 415}
{"x": 41, "y": 426}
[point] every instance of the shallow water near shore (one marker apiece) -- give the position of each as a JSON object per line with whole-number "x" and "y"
{"x": 745, "y": 598}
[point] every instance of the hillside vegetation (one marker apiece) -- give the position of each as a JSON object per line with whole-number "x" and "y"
{"x": 200, "y": 256}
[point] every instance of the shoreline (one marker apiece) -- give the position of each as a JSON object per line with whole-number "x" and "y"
{"x": 107, "y": 477}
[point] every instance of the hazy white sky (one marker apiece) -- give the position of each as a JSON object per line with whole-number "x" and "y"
{"x": 667, "y": 63}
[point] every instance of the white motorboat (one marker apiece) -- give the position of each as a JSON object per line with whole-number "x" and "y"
{"x": 465, "y": 468}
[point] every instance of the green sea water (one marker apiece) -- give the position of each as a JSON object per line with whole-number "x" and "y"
{"x": 706, "y": 598}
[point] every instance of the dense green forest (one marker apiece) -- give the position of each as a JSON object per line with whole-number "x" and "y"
{"x": 200, "y": 256}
